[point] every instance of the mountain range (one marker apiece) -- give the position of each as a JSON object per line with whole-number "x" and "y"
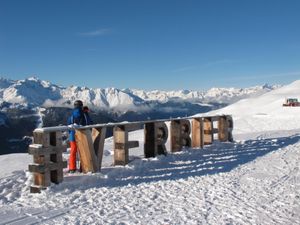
{"x": 32, "y": 102}
{"x": 36, "y": 93}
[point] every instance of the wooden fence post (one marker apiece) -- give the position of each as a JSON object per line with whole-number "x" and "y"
{"x": 230, "y": 127}
{"x": 180, "y": 134}
{"x": 122, "y": 144}
{"x": 222, "y": 129}
{"x": 156, "y": 135}
{"x": 197, "y": 133}
{"x": 208, "y": 130}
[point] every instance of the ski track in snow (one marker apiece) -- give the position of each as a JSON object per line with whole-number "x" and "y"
{"x": 226, "y": 183}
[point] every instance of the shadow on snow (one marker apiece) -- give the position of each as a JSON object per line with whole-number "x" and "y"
{"x": 217, "y": 158}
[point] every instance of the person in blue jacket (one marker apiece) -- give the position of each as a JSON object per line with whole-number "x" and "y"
{"x": 76, "y": 118}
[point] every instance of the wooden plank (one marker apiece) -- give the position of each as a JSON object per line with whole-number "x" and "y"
{"x": 41, "y": 159}
{"x": 42, "y": 179}
{"x": 45, "y": 150}
{"x": 230, "y": 127}
{"x": 121, "y": 154}
{"x": 176, "y": 143}
{"x": 208, "y": 130}
{"x": 138, "y": 124}
{"x": 41, "y": 138}
{"x": 197, "y": 133}
{"x": 180, "y": 134}
{"x": 161, "y": 137}
{"x": 86, "y": 150}
{"x": 38, "y": 168}
{"x": 223, "y": 129}
{"x": 149, "y": 140}
{"x": 185, "y": 133}
{"x": 121, "y": 143}
{"x": 98, "y": 136}
{"x": 129, "y": 144}
{"x": 133, "y": 126}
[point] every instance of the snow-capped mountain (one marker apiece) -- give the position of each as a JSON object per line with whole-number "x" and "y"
{"x": 221, "y": 95}
{"x": 31, "y": 91}
{"x": 35, "y": 92}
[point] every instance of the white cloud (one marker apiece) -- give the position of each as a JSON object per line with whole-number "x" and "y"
{"x": 99, "y": 32}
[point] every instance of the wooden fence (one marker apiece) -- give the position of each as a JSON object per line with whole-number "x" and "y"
{"x": 47, "y": 148}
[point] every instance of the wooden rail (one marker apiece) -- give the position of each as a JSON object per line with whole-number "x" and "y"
{"x": 47, "y": 147}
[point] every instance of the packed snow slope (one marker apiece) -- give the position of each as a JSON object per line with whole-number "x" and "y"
{"x": 266, "y": 109}
{"x": 254, "y": 180}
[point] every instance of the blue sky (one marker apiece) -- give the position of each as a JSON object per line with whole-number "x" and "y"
{"x": 153, "y": 44}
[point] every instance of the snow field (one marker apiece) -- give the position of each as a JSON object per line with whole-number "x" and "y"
{"x": 221, "y": 184}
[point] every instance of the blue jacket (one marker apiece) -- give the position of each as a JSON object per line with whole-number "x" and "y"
{"x": 78, "y": 118}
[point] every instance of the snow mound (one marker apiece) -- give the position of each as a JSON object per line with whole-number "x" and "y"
{"x": 266, "y": 109}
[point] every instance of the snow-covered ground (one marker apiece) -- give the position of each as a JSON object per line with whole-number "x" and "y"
{"x": 254, "y": 180}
